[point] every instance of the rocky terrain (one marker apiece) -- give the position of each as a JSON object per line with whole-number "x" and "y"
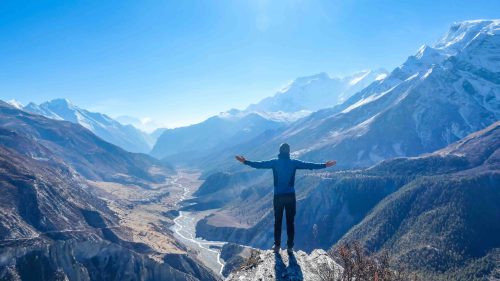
{"x": 266, "y": 265}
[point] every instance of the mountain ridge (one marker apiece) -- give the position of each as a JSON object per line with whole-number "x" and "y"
{"x": 89, "y": 155}
{"x": 125, "y": 136}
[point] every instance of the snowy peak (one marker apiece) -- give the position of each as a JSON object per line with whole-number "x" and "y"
{"x": 277, "y": 116}
{"x": 127, "y": 137}
{"x": 462, "y": 33}
{"x": 428, "y": 55}
{"x": 15, "y": 103}
{"x": 145, "y": 124}
{"x": 469, "y": 37}
{"x": 303, "y": 81}
{"x": 433, "y": 99}
{"x": 60, "y": 103}
{"x": 311, "y": 93}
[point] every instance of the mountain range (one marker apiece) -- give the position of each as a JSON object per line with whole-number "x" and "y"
{"x": 48, "y": 139}
{"x": 436, "y": 97}
{"x": 417, "y": 175}
{"x": 187, "y": 145}
{"x": 312, "y": 93}
{"x": 127, "y": 137}
{"x": 195, "y": 141}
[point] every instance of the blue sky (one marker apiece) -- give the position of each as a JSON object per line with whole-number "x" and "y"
{"x": 179, "y": 62}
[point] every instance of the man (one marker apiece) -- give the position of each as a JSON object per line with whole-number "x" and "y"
{"x": 284, "y": 192}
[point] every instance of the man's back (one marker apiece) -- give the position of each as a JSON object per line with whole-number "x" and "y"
{"x": 284, "y": 170}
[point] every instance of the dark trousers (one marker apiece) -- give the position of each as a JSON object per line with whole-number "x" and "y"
{"x": 284, "y": 202}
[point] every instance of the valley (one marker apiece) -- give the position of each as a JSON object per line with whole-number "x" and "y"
{"x": 417, "y": 150}
{"x": 151, "y": 215}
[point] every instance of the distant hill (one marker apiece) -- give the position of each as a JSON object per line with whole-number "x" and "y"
{"x": 125, "y": 136}
{"x": 217, "y": 132}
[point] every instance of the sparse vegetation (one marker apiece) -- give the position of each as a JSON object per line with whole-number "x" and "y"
{"x": 358, "y": 265}
{"x": 251, "y": 262}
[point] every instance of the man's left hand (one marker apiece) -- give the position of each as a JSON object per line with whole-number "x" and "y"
{"x": 330, "y": 163}
{"x": 240, "y": 158}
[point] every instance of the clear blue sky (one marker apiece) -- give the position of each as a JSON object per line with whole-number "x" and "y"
{"x": 182, "y": 61}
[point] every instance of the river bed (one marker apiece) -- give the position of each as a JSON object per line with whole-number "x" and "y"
{"x": 184, "y": 228}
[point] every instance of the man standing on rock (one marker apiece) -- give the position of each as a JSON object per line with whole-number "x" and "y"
{"x": 284, "y": 170}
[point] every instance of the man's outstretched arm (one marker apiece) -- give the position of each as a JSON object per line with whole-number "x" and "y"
{"x": 256, "y": 164}
{"x": 313, "y": 166}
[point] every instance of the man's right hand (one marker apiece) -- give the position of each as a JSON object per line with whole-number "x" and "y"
{"x": 241, "y": 158}
{"x": 330, "y": 163}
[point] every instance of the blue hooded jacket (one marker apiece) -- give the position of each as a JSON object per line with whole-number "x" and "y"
{"x": 284, "y": 170}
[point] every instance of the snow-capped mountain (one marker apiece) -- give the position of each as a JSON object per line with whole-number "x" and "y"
{"x": 233, "y": 127}
{"x": 146, "y": 124}
{"x": 15, "y": 103}
{"x": 125, "y": 136}
{"x": 436, "y": 97}
{"x": 318, "y": 91}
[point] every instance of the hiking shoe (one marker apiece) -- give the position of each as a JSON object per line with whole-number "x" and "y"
{"x": 289, "y": 250}
{"x": 276, "y": 248}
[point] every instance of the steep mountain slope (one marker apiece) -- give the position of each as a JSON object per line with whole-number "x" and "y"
{"x": 410, "y": 206}
{"x": 223, "y": 130}
{"x": 124, "y": 136}
{"x": 53, "y": 228}
{"x": 86, "y": 153}
{"x": 316, "y": 92}
{"x": 440, "y": 222}
{"x": 41, "y": 197}
{"x": 436, "y": 97}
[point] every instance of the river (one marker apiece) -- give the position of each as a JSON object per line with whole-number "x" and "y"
{"x": 184, "y": 229}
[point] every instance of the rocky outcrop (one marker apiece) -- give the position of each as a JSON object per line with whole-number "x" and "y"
{"x": 284, "y": 267}
{"x": 234, "y": 256}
